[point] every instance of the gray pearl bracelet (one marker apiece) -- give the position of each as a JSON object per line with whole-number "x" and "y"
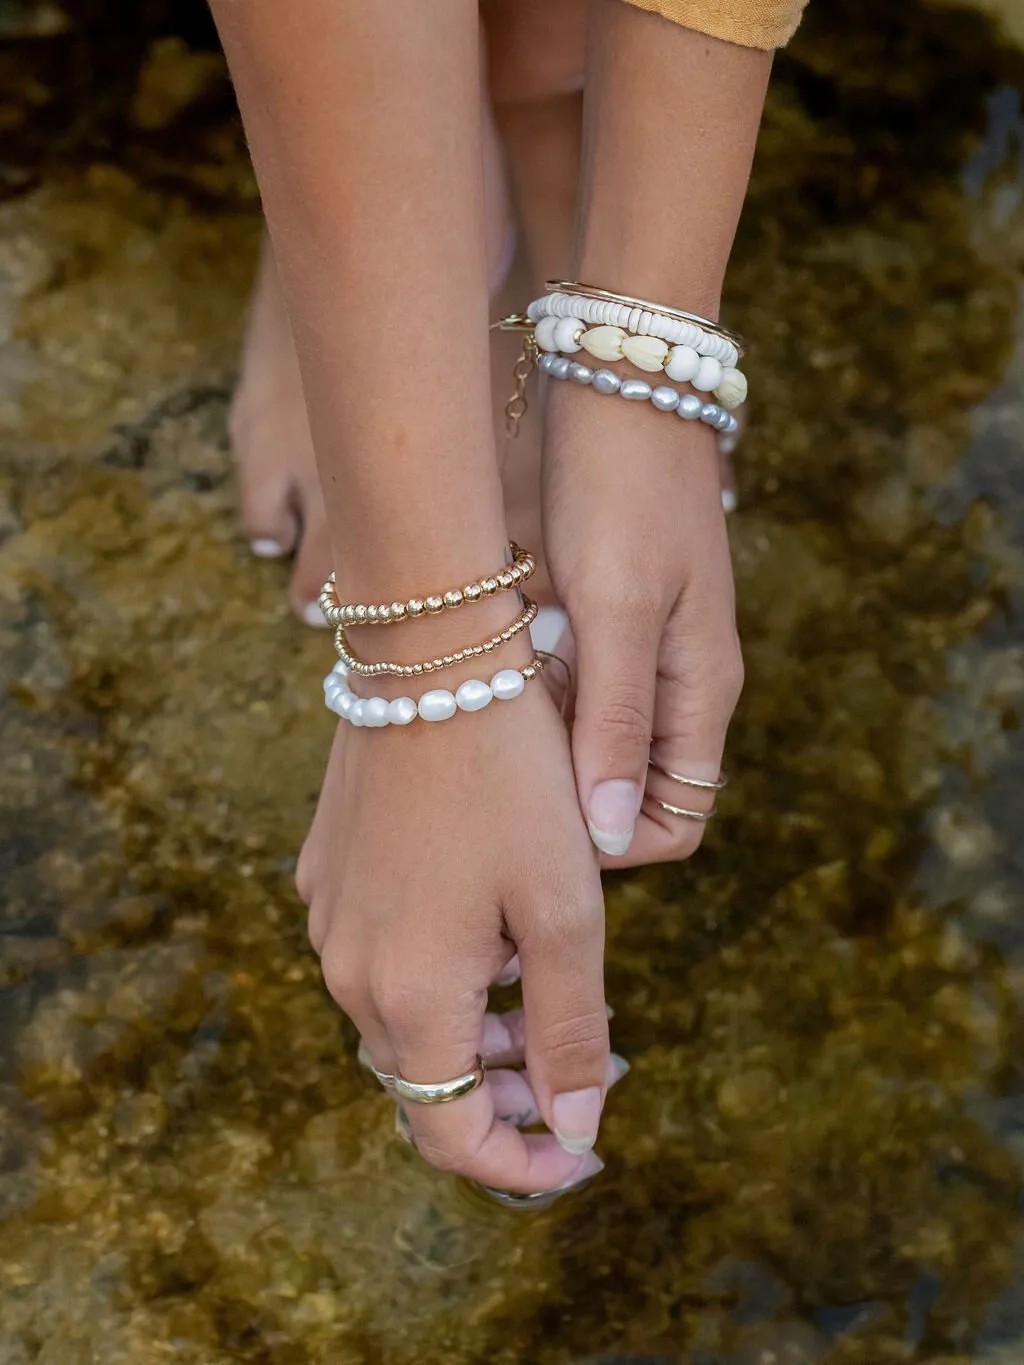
{"x": 662, "y": 396}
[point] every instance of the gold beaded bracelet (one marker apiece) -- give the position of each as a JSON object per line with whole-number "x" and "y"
{"x": 372, "y": 670}
{"x": 359, "y": 614}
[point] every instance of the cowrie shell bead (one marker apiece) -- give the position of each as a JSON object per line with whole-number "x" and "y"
{"x": 604, "y": 343}
{"x": 401, "y": 711}
{"x": 665, "y": 399}
{"x": 645, "y": 352}
{"x": 544, "y": 334}
{"x": 437, "y": 704}
{"x": 507, "y": 683}
{"x": 732, "y": 389}
{"x": 605, "y": 381}
{"x": 567, "y": 331}
{"x": 636, "y": 389}
{"x": 709, "y": 374}
{"x": 682, "y": 364}
{"x": 375, "y": 712}
{"x": 473, "y": 695}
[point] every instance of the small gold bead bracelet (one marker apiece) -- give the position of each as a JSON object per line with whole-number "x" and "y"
{"x": 359, "y": 614}
{"x": 372, "y": 670}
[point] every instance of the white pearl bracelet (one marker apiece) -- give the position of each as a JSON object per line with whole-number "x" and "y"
{"x": 635, "y": 320}
{"x": 661, "y": 396}
{"x": 437, "y": 704}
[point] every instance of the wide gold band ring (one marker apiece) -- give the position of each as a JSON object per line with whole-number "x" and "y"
{"x": 444, "y": 1091}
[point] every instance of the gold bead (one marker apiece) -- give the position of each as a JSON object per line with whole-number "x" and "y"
{"x": 397, "y": 611}
{"x": 407, "y": 671}
{"x": 383, "y": 613}
{"x": 449, "y": 659}
{"x": 505, "y": 579}
{"x": 453, "y": 598}
{"x": 434, "y": 604}
{"x": 478, "y": 649}
{"x": 417, "y": 669}
{"x": 489, "y": 587}
{"x": 360, "y": 613}
{"x": 472, "y": 592}
{"x": 415, "y": 606}
{"x": 488, "y": 646}
{"x": 371, "y": 613}
{"x": 528, "y": 672}
{"x": 516, "y": 573}
{"x": 428, "y": 667}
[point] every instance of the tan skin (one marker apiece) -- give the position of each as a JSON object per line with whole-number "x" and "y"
{"x": 439, "y": 852}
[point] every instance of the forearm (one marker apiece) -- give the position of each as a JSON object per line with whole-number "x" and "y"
{"x": 671, "y": 119}
{"x": 363, "y": 122}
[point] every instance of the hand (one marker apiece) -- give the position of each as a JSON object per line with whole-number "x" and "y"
{"x": 638, "y": 553}
{"x": 438, "y": 852}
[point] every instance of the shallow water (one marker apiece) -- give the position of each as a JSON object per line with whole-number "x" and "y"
{"x": 818, "y": 1154}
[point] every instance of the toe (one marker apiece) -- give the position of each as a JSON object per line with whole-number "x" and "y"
{"x": 313, "y": 562}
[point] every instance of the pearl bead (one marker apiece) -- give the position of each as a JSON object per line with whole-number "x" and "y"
{"x": 559, "y": 367}
{"x": 473, "y": 695}
{"x": 544, "y": 334}
{"x": 438, "y": 704}
{"x": 355, "y": 714}
{"x": 582, "y": 374}
{"x": 507, "y": 683}
{"x": 567, "y": 331}
{"x": 722, "y": 420}
{"x": 646, "y": 353}
{"x": 638, "y": 390}
{"x": 375, "y": 712}
{"x": 343, "y": 706}
{"x": 709, "y": 374}
{"x": 401, "y": 711}
{"x": 682, "y": 364}
{"x": 665, "y": 399}
{"x": 605, "y": 381}
{"x": 708, "y": 413}
{"x": 690, "y": 407}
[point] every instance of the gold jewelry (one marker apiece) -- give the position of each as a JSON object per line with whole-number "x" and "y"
{"x": 702, "y": 815}
{"x": 359, "y": 614}
{"x": 443, "y": 1092}
{"x": 589, "y": 291}
{"x": 701, "y": 783}
{"x": 372, "y": 670}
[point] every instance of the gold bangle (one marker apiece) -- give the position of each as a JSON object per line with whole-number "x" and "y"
{"x": 372, "y": 670}
{"x": 589, "y": 291}
{"x": 359, "y": 614}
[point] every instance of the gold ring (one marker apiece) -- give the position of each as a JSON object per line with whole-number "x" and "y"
{"x": 701, "y": 783}
{"x": 444, "y": 1091}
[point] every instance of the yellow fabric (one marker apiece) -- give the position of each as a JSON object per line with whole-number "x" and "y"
{"x": 750, "y": 23}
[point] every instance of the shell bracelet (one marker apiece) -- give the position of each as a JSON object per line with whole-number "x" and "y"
{"x": 437, "y": 704}
{"x": 662, "y": 396}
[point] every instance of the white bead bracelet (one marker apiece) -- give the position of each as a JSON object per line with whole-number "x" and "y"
{"x": 639, "y": 320}
{"x": 661, "y": 396}
{"x": 437, "y": 704}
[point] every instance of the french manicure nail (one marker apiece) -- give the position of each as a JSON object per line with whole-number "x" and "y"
{"x": 591, "y": 1167}
{"x": 609, "y": 1012}
{"x": 509, "y": 974}
{"x": 729, "y": 503}
{"x": 313, "y": 616}
{"x": 266, "y": 549}
{"x": 611, "y": 815}
{"x": 577, "y": 1115}
{"x": 620, "y": 1064}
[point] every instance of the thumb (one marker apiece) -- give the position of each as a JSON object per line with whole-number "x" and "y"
{"x": 611, "y": 737}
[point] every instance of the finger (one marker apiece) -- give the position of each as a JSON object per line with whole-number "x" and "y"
{"x": 616, "y": 664}
{"x": 313, "y": 560}
{"x": 505, "y": 1037}
{"x": 347, "y": 983}
{"x": 436, "y": 1033}
{"x": 565, "y": 1017}
{"x": 510, "y": 973}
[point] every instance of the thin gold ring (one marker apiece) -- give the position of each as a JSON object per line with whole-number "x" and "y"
{"x": 701, "y": 783}
{"x": 443, "y": 1092}
{"x": 702, "y": 815}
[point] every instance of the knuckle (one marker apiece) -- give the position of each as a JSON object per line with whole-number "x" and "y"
{"x": 578, "y": 1040}
{"x": 341, "y": 975}
{"x": 401, "y": 1000}
{"x": 625, "y": 719}
{"x": 443, "y": 1156}
{"x": 687, "y": 841}
{"x": 731, "y": 673}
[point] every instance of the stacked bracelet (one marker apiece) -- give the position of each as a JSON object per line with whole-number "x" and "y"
{"x": 372, "y": 670}
{"x": 663, "y": 397}
{"x": 437, "y": 704}
{"x": 641, "y": 317}
{"x": 357, "y": 613}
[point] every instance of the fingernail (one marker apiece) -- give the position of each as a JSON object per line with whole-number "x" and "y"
{"x": 313, "y": 616}
{"x": 509, "y": 974}
{"x": 729, "y": 503}
{"x": 620, "y": 1064}
{"x": 609, "y": 1012}
{"x": 266, "y": 549}
{"x": 591, "y": 1167}
{"x": 576, "y": 1115}
{"x": 611, "y": 815}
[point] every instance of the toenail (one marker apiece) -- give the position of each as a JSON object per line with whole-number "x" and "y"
{"x": 313, "y": 616}
{"x": 266, "y": 549}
